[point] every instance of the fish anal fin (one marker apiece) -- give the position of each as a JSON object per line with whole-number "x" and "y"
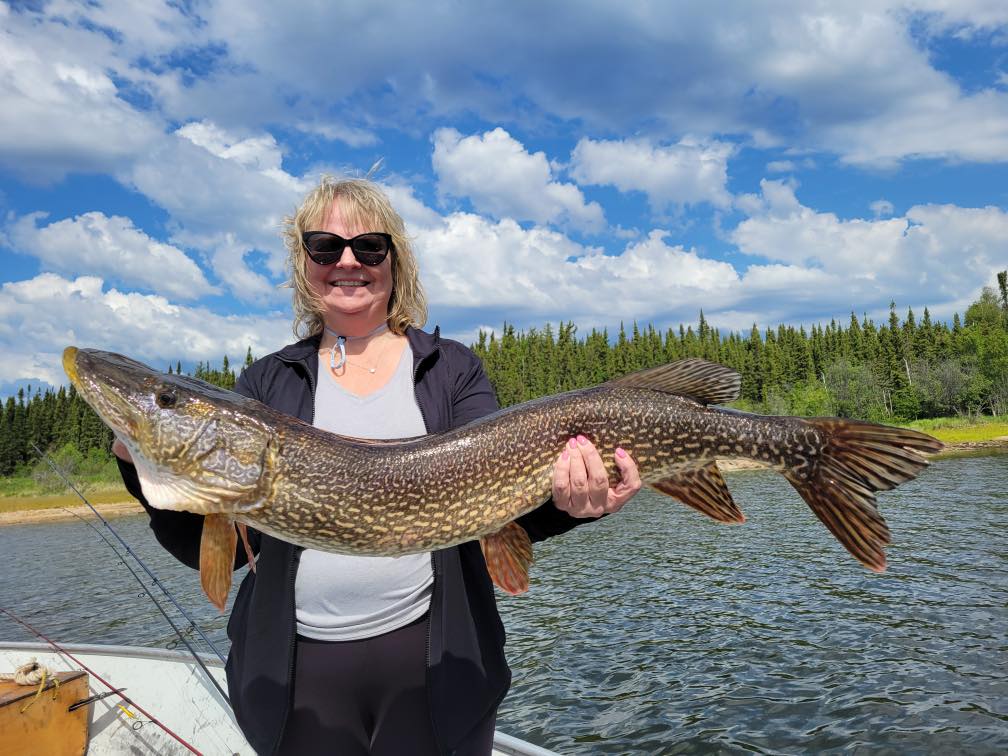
{"x": 704, "y": 381}
{"x": 217, "y": 554}
{"x": 508, "y": 555}
{"x": 704, "y": 489}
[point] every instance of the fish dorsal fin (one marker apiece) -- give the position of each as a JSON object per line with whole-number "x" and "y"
{"x": 704, "y": 489}
{"x": 704, "y": 381}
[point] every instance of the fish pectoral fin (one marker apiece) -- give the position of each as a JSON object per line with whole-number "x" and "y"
{"x": 704, "y": 489}
{"x": 707, "y": 382}
{"x": 508, "y": 554}
{"x": 217, "y": 555}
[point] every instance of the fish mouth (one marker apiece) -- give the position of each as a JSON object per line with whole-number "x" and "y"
{"x": 70, "y": 364}
{"x": 86, "y": 369}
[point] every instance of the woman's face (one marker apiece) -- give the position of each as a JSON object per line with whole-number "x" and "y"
{"x": 346, "y": 287}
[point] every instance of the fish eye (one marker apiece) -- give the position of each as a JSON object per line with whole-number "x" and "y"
{"x": 165, "y": 398}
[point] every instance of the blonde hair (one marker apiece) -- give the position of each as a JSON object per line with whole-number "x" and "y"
{"x": 363, "y": 205}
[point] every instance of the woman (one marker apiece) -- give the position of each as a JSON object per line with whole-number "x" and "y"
{"x": 344, "y": 654}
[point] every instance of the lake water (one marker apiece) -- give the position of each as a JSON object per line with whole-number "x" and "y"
{"x": 658, "y": 631}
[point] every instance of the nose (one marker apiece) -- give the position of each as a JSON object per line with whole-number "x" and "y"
{"x": 347, "y": 259}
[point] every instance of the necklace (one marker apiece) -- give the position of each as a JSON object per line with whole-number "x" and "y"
{"x": 341, "y": 345}
{"x": 378, "y": 361}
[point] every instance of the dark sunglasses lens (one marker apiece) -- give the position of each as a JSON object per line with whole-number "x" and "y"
{"x": 370, "y": 249}
{"x": 324, "y": 249}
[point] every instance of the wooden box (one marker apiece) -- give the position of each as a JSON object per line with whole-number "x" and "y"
{"x": 46, "y": 727}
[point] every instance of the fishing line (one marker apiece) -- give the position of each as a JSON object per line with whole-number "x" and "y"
{"x": 192, "y": 623}
{"x": 118, "y": 691}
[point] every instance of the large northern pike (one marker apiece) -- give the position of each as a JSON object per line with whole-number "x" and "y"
{"x": 202, "y": 449}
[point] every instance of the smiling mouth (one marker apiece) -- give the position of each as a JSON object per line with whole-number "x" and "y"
{"x": 349, "y": 284}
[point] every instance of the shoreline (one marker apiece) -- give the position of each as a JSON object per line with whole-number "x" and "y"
{"x": 57, "y": 513}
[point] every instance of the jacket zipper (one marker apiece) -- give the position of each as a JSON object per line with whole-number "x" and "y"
{"x": 434, "y": 576}
{"x": 292, "y": 582}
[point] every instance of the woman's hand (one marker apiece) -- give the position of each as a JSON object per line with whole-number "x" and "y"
{"x": 581, "y": 484}
{"x": 120, "y": 450}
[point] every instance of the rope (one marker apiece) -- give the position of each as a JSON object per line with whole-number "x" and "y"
{"x": 98, "y": 677}
{"x": 32, "y": 673}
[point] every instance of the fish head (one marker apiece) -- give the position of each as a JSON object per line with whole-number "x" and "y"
{"x": 197, "y": 448}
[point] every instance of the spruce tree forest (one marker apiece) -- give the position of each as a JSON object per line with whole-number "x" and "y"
{"x": 906, "y": 369}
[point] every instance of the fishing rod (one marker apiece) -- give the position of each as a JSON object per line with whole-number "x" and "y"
{"x": 178, "y": 632}
{"x": 112, "y": 690}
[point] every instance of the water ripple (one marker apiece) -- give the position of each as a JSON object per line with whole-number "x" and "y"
{"x": 659, "y": 632}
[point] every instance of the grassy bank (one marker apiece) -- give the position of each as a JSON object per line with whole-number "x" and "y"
{"x": 963, "y": 430}
{"x": 23, "y": 503}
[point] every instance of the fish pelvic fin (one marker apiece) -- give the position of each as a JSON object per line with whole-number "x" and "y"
{"x": 858, "y": 460}
{"x": 704, "y": 489}
{"x": 707, "y": 382}
{"x": 508, "y": 555}
{"x": 217, "y": 556}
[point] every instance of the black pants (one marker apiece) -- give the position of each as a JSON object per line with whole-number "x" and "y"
{"x": 368, "y": 696}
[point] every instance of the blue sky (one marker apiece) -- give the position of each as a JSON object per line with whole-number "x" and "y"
{"x": 598, "y": 162}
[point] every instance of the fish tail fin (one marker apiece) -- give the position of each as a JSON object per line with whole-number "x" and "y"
{"x": 217, "y": 556}
{"x": 858, "y": 460}
{"x": 508, "y": 554}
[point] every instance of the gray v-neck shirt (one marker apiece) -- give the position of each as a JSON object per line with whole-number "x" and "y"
{"x": 340, "y": 597}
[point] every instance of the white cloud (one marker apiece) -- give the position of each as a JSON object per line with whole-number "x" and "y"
{"x": 111, "y": 247}
{"x": 857, "y": 78}
{"x": 500, "y": 177}
{"x": 227, "y": 196}
{"x": 257, "y": 152}
{"x": 963, "y": 16}
{"x": 470, "y": 262}
{"x": 932, "y": 254}
{"x": 780, "y": 166}
{"x": 41, "y": 316}
{"x": 685, "y": 173}
{"x": 337, "y": 132}
{"x": 881, "y": 207}
{"x": 843, "y": 77}
{"x": 61, "y": 111}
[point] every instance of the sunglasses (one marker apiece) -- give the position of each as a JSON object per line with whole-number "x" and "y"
{"x": 325, "y": 248}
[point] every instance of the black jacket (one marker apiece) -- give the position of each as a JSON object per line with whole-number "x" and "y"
{"x": 467, "y": 675}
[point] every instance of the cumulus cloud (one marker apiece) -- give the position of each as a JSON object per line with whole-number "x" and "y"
{"x": 41, "y": 316}
{"x": 500, "y": 177}
{"x": 468, "y": 261}
{"x": 881, "y": 207}
{"x": 61, "y": 111}
{"x": 780, "y": 166}
{"x": 848, "y": 78}
{"x": 685, "y": 173}
{"x": 932, "y": 254}
{"x": 227, "y": 195}
{"x": 111, "y": 247}
{"x": 856, "y": 79}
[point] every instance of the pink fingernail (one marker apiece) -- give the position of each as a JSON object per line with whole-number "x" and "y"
{"x": 620, "y": 452}
{"x": 582, "y": 440}
{"x": 566, "y": 454}
{"x": 573, "y": 443}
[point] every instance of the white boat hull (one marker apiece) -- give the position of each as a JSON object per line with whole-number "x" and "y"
{"x": 171, "y": 687}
